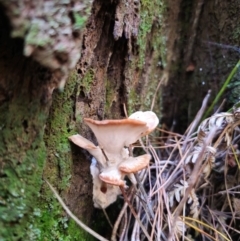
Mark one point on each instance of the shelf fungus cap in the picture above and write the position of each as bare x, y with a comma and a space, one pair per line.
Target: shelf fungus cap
149, 117
82, 142
135, 164
112, 176
114, 135
89, 146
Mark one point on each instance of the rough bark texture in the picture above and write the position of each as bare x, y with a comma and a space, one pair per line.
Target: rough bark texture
113, 70
124, 52
118, 58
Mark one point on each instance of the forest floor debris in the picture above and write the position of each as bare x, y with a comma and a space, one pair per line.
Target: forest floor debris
190, 191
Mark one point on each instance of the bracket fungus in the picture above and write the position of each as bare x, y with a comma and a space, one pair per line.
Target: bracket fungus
112, 162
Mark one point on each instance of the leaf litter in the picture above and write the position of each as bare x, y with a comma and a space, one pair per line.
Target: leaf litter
190, 190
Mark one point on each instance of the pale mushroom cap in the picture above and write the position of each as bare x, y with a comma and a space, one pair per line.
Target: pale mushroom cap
89, 146
114, 135
112, 176
135, 164
82, 142
149, 117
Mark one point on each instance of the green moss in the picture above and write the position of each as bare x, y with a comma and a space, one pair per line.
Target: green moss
79, 119
60, 127
79, 21
33, 37
110, 96
150, 38
21, 171
133, 100
236, 33
151, 11
152, 48
87, 80
49, 222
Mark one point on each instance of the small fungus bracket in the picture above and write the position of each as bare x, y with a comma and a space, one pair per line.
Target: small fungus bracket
112, 162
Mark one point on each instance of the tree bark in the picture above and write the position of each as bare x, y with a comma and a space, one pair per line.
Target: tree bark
202, 51
117, 57
25, 100
127, 48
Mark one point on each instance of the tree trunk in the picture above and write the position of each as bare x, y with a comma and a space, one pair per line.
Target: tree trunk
127, 48
202, 51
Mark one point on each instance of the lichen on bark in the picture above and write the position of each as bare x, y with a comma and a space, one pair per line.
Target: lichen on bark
52, 31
